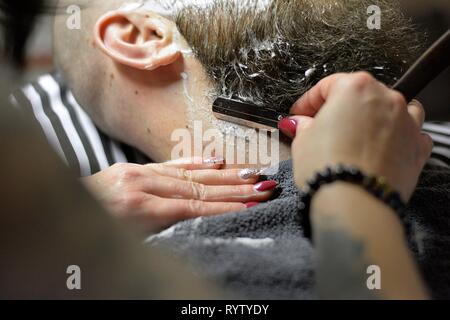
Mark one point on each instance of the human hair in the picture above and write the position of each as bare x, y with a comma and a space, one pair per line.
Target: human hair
272, 56
270, 52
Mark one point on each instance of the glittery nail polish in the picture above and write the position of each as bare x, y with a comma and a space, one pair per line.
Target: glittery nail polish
214, 160
246, 174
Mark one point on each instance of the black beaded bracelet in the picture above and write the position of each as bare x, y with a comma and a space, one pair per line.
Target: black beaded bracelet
377, 186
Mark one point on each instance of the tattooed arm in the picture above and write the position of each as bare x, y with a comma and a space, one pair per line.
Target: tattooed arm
353, 231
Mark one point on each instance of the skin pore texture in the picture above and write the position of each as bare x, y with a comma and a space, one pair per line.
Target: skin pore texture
268, 52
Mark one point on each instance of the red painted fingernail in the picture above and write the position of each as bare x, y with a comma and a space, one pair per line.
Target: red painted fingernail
266, 186
288, 126
251, 204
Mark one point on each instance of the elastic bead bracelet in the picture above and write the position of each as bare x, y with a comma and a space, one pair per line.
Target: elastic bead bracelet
377, 186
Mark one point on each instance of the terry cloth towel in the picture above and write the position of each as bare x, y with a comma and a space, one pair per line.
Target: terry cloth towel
262, 253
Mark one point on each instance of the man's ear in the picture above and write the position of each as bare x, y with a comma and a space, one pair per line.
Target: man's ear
142, 40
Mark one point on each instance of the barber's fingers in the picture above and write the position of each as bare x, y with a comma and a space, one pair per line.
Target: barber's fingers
167, 187
195, 163
180, 209
311, 102
291, 126
417, 112
426, 147
209, 176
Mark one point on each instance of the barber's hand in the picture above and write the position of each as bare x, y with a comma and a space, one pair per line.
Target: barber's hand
159, 195
359, 121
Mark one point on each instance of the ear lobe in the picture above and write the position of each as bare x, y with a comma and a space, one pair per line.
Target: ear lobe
137, 39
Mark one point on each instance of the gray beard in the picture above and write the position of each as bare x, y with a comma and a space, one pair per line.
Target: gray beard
273, 66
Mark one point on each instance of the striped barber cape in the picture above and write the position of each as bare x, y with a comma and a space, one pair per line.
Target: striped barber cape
85, 149
69, 129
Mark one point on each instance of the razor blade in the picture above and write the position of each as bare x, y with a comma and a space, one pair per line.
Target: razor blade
247, 114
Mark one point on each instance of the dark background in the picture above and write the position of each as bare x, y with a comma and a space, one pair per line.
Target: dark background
433, 17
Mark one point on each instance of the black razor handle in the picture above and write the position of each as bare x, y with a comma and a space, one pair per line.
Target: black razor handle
247, 114
432, 63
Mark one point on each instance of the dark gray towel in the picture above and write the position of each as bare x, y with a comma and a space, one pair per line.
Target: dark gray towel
262, 253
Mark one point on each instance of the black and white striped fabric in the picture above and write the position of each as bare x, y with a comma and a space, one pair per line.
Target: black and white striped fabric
84, 148
67, 127
440, 133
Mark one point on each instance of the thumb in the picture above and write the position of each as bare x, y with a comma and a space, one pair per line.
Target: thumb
292, 125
